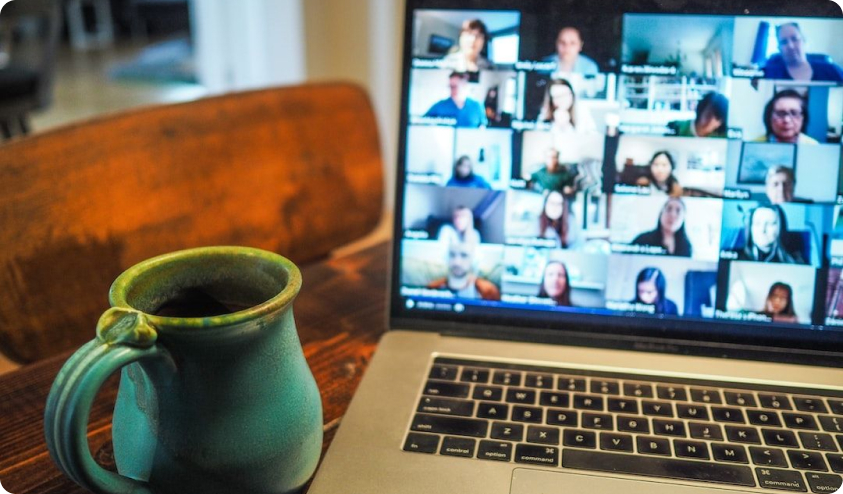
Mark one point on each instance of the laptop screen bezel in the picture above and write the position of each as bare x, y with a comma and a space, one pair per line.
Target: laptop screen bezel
647, 334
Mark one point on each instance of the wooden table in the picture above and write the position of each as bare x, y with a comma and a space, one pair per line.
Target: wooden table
340, 314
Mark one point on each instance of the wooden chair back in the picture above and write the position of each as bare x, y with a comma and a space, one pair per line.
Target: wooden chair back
293, 170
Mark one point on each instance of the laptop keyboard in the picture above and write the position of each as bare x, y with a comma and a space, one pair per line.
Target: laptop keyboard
756, 436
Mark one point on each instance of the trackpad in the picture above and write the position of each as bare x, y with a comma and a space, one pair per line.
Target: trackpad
527, 481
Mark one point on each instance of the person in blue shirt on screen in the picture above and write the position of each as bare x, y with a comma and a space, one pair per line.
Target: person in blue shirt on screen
793, 62
568, 56
468, 112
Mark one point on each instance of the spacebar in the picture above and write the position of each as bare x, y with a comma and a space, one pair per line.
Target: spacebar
658, 467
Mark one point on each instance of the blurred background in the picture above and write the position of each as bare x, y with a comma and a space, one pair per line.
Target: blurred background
68, 60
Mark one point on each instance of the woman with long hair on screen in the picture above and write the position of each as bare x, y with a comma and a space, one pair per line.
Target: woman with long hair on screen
556, 284
766, 227
650, 288
560, 108
660, 177
554, 223
670, 231
712, 119
779, 303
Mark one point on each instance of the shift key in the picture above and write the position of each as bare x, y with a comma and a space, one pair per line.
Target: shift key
454, 426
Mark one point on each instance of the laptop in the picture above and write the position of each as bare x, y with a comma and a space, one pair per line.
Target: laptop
617, 257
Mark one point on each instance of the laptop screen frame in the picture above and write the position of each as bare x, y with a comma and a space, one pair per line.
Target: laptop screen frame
691, 337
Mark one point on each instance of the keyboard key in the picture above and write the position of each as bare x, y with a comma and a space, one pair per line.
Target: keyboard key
824, 482
831, 423
497, 411
763, 417
551, 399
487, 393
807, 460
738, 434
740, 399
605, 387
451, 390
654, 466
544, 381
444, 372
494, 450
527, 414
817, 441
835, 462
586, 402
442, 424
566, 418
507, 378
579, 439
421, 443
668, 427
693, 412
799, 421
521, 396
537, 455
446, 406
597, 421
616, 442
729, 452
543, 435
781, 480
571, 384
836, 407
475, 376
507, 431
767, 457
675, 393
775, 402
779, 437
657, 408
701, 430
732, 415
711, 396
623, 405
633, 424
458, 446
653, 446
813, 405
638, 390
690, 449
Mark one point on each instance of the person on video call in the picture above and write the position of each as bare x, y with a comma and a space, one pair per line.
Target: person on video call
464, 176
461, 280
767, 226
559, 108
793, 63
468, 56
711, 120
555, 221
556, 284
468, 112
670, 231
568, 57
786, 118
553, 176
660, 177
650, 287
461, 228
779, 303
779, 184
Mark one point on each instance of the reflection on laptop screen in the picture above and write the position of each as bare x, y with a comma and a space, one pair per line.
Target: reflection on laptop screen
690, 171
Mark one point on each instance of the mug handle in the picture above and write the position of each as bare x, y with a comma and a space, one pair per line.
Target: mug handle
124, 336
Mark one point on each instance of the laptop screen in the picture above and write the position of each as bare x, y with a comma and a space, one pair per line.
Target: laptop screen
568, 166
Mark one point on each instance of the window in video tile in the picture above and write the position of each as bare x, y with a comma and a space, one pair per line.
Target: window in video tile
757, 293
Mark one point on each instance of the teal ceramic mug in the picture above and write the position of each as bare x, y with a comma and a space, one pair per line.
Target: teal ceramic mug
215, 393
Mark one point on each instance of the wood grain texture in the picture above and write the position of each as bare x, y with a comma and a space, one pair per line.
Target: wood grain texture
340, 315
292, 170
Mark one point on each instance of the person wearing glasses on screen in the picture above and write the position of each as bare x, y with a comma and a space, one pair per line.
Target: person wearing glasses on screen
786, 118
568, 57
470, 49
793, 63
467, 112
556, 284
766, 228
779, 303
464, 176
650, 288
711, 120
669, 233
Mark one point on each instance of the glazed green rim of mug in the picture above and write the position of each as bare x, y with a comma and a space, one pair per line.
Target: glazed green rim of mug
126, 281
